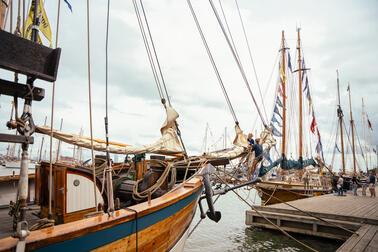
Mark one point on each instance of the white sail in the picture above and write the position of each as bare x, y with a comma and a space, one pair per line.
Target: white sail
166, 145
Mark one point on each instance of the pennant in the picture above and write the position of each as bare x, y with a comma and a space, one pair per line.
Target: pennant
274, 119
283, 74
348, 88
68, 5
309, 105
313, 124
337, 148
369, 124
317, 131
319, 147
277, 112
275, 131
43, 24
278, 102
280, 91
304, 71
375, 151
306, 84
289, 62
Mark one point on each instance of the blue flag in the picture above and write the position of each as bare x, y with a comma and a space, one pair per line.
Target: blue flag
375, 151
289, 62
279, 103
306, 84
68, 4
275, 131
337, 148
274, 119
369, 124
277, 112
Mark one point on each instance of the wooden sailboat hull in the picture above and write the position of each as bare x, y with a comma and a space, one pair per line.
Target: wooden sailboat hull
160, 226
285, 192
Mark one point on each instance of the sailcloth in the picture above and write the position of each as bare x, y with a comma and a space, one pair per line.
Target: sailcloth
166, 145
240, 146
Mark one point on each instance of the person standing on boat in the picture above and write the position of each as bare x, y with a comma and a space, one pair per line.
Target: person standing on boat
340, 183
257, 148
372, 185
306, 180
354, 184
250, 140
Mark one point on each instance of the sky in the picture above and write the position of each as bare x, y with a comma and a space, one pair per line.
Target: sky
336, 34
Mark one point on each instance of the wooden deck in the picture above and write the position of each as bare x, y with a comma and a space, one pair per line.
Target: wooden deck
356, 213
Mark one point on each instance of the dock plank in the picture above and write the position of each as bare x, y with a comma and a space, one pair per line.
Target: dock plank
361, 210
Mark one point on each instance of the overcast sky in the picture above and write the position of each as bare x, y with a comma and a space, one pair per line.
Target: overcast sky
335, 35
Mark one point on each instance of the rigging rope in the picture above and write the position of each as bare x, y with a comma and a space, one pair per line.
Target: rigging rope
250, 55
213, 62
52, 117
237, 61
156, 57
149, 54
108, 170
90, 107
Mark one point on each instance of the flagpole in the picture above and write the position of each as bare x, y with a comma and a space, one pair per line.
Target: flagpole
340, 115
352, 126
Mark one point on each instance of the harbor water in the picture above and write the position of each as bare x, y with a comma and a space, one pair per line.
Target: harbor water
231, 233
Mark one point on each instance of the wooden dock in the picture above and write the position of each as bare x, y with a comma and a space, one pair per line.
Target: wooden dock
355, 213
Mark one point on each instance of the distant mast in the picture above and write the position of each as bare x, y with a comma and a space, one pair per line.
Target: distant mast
300, 101
283, 50
352, 126
364, 126
340, 115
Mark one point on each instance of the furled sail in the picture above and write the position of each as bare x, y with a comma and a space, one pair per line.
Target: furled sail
168, 143
240, 146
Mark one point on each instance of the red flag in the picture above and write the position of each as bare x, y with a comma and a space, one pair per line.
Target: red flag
312, 127
318, 133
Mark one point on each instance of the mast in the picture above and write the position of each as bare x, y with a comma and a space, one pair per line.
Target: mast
340, 115
352, 126
283, 50
3, 9
300, 100
364, 131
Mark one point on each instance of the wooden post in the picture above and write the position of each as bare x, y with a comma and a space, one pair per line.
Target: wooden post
364, 126
340, 115
352, 126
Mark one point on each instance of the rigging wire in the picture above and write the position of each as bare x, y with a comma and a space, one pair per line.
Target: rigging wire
90, 106
52, 118
149, 54
156, 57
108, 170
250, 55
213, 62
237, 61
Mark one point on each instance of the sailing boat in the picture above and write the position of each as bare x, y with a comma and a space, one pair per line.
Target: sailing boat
154, 212
151, 210
277, 190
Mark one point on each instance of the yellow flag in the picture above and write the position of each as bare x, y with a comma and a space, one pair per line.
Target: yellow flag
44, 25
283, 75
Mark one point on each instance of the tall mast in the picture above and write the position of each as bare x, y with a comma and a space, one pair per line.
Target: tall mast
364, 130
283, 50
300, 98
340, 115
352, 126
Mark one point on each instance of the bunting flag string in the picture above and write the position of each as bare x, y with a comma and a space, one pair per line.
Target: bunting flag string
277, 112
275, 132
274, 119
279, 103
369, 123
313, 125
337, 148
68, 5
289, 62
